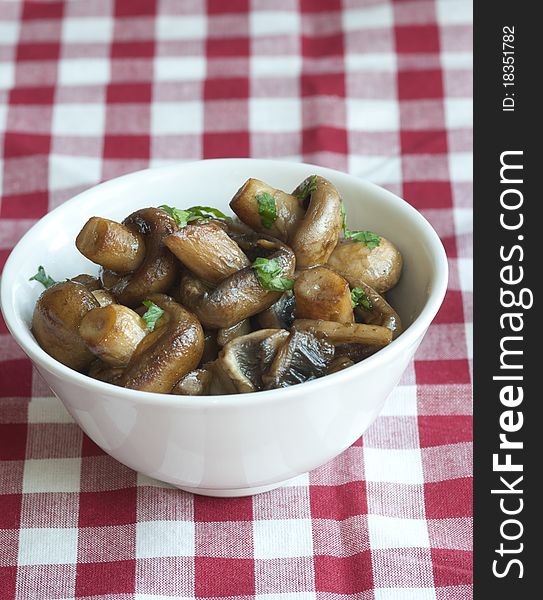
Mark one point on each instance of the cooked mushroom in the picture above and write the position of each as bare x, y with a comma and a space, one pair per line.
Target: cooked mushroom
211, 347
194, 383
104, 297
379, 313
379, 267
109, 278
246, 358
104, 372
207, 251
339, 363
240, 295
345, 333
91, 283
55, 323
267, 209
323, 294
159, 268
227, 334
164, 356
280, 315
111, 245
112, 333
301, 358
317, 234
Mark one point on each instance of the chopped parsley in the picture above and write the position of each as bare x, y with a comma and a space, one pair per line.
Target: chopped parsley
306, 188
360, 298
269, 275
152, 314
201, 214
267, 209
42, 277
372, 240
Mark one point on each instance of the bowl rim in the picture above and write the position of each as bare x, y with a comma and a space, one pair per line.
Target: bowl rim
417, 328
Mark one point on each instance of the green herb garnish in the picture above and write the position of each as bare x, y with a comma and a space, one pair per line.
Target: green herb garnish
181, 217
267, 209
42, 277
269, 275
372, 240
360, 298
306, 188
202, 214
152, 314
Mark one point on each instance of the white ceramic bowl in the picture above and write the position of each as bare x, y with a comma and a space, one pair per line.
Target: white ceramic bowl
245, 443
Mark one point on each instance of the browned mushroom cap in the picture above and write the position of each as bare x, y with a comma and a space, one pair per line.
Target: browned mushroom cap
112, 333
246, 358
381, 313
159, 268
301, 358
323, 294
318, 233
379, 267
55, 323
207, 251
164, 356
280, 315
240, 295
345, 333
287, 211
194, 383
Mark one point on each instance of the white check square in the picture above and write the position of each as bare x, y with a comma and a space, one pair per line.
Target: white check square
47, 546
372, 115
404, 594
72, 171
164, 538
276, 66
454, 12
188, 68
170, 27
48, 410
52, 475
78, 119
88, 29
282, 538
391, 532
273, 115
84, 71
401, 402
170, 118
394, 466
458, 113
379, 169
461, 166
274, 22
377, 16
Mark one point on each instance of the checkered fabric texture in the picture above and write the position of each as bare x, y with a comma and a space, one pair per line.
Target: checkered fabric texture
93, 89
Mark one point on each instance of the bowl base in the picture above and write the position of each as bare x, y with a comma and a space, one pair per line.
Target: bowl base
235, 492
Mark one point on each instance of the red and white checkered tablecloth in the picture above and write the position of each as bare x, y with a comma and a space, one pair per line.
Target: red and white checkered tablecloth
382, 89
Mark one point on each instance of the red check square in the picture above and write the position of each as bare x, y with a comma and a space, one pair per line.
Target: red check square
412, 39
338, 501
452, 567
220, 577
413, 85
345, 575
94, 579
448, 499
116, 507
223, 509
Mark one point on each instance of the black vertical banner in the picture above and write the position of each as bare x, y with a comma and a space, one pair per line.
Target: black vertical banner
508, 253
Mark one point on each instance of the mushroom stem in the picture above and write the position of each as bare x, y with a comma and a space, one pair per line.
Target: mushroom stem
343, 333
112, 333
226, 334
110, 244
207, 251
323, 294
381, 312
287, 208
318, 232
